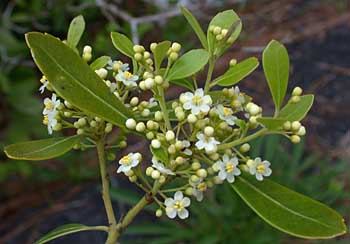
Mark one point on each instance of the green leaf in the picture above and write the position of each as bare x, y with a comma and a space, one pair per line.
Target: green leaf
74, 80
238, 72
160, 153
195, 26
160, 53
123, 44
68, 229
75, 31
41, 149
276, 69
100, 62
184, 83
289, 211
272, 123
188, 64
297, 111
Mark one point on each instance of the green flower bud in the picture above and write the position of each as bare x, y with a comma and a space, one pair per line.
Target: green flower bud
159, 212
297, 91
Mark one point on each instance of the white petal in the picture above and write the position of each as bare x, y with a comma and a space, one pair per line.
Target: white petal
237, 171
222, 175
171, 212
199, 92
200, 145
183, 214
230, 178
169, 202
178, 196
195, 110
268, 172
187, 105
186, 202
259, 177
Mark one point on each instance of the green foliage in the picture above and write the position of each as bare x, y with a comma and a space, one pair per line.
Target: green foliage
237, 72
271, 123
297, 111
160, 53
290, 211
75, 31
123, 44
100, 62
188, 64
41, 149
276, 69
74, 80
66, 230
160, 153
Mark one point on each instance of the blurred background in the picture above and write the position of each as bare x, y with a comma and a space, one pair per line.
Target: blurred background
36, 197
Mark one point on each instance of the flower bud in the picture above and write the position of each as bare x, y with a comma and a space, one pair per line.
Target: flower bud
224, 32
287, 125
146, 55
189, 191
172, 149
87, 49
173, 56
138, 48
158, 116
233, 62
194, 178
138, 56
209, 131
140, 127
217, 30
149, 83
296, 125
150, 135
175, 47
195, 165
155, 143
191, 118
108, 128
159, 212
129, 173
87, 57
295, 139
102, 73
170, 135
244, 148
146, 112
180, 160
155, 174
153, 46
133, 178
130, 124
301, 131
134, 101
201, 173
297, 91
149, 171
142, 85
158, 79
295, 99
161, 179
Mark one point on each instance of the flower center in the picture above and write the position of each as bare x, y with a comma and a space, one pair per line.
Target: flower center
46, 120
202, 187
178, 206
49, 105
230, 167
261, 169
126, 160
127, 75
227, 111
197, 100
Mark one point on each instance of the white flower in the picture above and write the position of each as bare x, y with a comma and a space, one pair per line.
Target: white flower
51, 105
51, 121
161, 168
152, 102
196, 102
207, 143
186, 144
226, 114
260, 168
197, 189
44, 82
238, 94
127, 78
228, 168
117, 65
177, 206
129, 161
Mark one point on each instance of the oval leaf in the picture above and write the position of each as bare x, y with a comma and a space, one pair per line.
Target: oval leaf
41, 149
289, 211
123, 44
276, 68
75, 31
297, 111
271, 123
74, 80
188, 64
160, 153
160, 53
184, 83
68, 229
100, 62
195, 26
238, 72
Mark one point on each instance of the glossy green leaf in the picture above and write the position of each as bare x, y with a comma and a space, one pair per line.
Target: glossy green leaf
289, 211
195, 26
123, 44
41, 149
75, 31
188, 64
68, 229
226, 20
160, 53
297, 111
160, 153
100, 62
271, 123
276, 68
74, 80
238, 72
184, 83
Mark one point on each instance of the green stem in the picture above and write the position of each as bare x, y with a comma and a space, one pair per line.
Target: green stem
112, 238
162, 105
209, 75
243, 140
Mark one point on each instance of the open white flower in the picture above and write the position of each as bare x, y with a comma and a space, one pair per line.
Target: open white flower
152, 102
127, 78
207, 143
260, 168
117, 65
177, 206
226, 114
228, 168
186, 144
50, 121
196, 102
129, 161
51, 105
161, 168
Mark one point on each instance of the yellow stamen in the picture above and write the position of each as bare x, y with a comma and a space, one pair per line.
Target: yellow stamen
197, 100
49, 105
127, 75
126, 160
202, 186
261, 169
46, 120
178, 206
227, 111
230, 167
